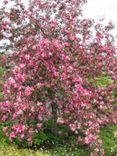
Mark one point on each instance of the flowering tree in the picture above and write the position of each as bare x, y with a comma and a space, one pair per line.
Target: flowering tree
55, 58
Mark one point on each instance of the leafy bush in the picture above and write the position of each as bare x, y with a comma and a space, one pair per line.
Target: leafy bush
39, 138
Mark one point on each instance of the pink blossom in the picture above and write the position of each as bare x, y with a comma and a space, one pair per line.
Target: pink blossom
11, 81
12, 136
22, 65
32, 63
73, 127
4, 129
19, 128
20, 77
60, 121
53, 23
28, 91
90, 138
39, 125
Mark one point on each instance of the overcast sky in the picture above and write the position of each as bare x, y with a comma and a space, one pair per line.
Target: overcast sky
101, 9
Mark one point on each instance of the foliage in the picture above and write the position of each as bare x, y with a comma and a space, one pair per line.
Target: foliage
103, 81
39, 138
53, 53
1, 96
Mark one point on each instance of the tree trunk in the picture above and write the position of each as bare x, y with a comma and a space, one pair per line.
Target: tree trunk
54, 114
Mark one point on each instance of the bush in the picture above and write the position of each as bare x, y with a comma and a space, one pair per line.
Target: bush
49, 70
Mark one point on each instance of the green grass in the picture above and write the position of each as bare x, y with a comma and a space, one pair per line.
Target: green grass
13, 150
103, 81
109, 137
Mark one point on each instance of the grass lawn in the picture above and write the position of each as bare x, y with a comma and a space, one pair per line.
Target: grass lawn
14, 151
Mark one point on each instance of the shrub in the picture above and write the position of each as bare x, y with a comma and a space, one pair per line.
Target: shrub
51, 62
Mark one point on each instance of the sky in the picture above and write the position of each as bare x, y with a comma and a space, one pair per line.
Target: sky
101, 9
